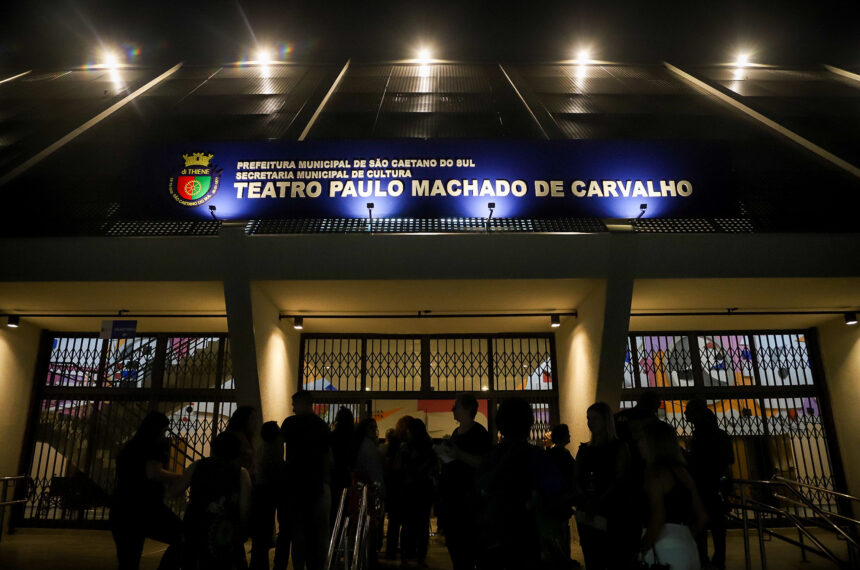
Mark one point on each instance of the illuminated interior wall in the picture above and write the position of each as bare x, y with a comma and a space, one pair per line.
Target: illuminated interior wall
578, 349
840, 352
277, 357
18, 349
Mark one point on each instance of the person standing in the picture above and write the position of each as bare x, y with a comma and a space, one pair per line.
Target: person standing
307, 476
675, 511
369, 469
138, 510
394, 495
563, 510
219, 505
710, 457
270, 469
517, 485
343, 456
420, 477
458, 495
602, 469
245, 423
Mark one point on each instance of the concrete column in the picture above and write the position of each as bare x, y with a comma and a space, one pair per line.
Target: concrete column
613, 339
19, 349
578, 351
840, 355
18, 352
277, 353
240, 319
590, 348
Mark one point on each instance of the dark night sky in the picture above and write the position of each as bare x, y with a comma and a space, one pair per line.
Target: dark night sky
63, 32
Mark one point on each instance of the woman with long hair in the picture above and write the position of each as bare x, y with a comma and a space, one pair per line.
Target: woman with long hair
368, 466
420, 479
343, 456
245, 423
675, 511
602, 473
395, 449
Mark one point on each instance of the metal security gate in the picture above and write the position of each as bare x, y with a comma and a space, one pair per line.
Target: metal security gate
388, 376
91, 395
764, 387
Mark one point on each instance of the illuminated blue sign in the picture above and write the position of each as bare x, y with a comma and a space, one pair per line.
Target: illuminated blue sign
437, 179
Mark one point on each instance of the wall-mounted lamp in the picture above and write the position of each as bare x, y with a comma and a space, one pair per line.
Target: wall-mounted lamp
642, 208
491, 206
850, 318
14, 320
555, 321
370, 217
212, 209
298, 323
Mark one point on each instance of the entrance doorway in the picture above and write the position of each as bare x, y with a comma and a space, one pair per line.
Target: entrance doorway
389, 376
765, 388
91, 395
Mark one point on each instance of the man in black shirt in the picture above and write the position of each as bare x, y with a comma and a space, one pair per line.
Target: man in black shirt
710, 458
519, 487
138, 510
307, 494
458, 494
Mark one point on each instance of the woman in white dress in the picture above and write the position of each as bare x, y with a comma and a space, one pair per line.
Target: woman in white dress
675, 510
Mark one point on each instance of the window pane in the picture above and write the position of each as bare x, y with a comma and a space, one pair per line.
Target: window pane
458, 364
522, 364
332, 364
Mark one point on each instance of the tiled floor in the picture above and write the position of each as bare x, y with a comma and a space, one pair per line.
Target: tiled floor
48, 549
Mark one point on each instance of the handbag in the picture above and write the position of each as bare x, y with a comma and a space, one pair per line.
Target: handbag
643, 564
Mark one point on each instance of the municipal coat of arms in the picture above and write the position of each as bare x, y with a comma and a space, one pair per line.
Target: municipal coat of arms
197, 181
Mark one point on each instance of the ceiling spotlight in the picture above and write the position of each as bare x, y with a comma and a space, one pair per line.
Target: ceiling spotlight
298, 323
263, 56
111, 61
583, 56
555, 321
14, 320
850, 318
742, 60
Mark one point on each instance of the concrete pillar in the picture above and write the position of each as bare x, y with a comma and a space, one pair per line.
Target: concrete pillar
277, 353
240, 319
19, 349
840, 355
590, 348
578, 352
613, 339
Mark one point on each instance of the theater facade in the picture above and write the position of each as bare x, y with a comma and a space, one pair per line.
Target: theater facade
389, 235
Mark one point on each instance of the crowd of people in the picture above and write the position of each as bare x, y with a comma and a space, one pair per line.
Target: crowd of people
635, 496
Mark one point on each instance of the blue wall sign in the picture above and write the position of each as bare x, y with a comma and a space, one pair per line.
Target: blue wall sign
118, 329
435, 179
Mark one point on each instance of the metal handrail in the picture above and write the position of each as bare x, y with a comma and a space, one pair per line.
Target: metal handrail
814, 488
759, 507
781, 482
338, 531
4, 490
823, 519
361, 531
829, 513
